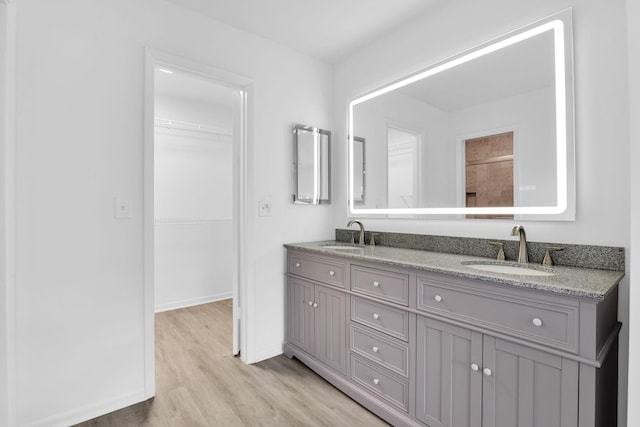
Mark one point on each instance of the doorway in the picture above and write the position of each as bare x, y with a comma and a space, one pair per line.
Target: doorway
200, 199
403, 168
489, 173
193, 190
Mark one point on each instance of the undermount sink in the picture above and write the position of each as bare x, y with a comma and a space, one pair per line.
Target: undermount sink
507, 269
342, 247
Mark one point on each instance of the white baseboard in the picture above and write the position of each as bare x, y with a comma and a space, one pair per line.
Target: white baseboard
91, 411
174, 305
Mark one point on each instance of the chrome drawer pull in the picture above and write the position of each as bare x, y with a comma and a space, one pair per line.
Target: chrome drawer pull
474, 367
376, 284
487, 372
332, 273
438, 298
315, 305
375, 349
376, 381
298, 264
310, 302
536, 322
376, 316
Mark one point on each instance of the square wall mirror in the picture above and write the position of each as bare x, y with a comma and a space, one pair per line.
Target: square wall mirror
487, 133
311, 165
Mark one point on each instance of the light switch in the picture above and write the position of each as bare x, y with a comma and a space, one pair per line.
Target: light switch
264, 207
121, 208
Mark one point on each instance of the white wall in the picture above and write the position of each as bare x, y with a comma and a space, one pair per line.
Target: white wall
633, 19
602, 127
4, 414
193, 203
79, 308
7, 108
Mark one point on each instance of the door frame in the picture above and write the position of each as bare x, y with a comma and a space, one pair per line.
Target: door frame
243, 89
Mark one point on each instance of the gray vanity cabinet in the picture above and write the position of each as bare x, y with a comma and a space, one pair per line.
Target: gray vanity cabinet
317, 312
330, 328
522, 386
448, 390
301, 318
466, 378
421, 348
316, 321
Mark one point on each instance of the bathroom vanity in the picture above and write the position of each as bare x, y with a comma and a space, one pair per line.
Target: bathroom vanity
425, 338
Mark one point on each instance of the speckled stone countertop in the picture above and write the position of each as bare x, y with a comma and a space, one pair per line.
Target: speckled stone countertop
572, 281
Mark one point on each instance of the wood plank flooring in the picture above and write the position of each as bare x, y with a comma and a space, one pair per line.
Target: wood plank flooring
199, 383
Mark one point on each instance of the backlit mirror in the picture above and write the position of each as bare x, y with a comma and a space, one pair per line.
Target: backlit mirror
358, 169
311, 165
485, 134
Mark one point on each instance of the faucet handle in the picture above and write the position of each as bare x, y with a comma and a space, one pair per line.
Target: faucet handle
500, 247
372, 240
547, 260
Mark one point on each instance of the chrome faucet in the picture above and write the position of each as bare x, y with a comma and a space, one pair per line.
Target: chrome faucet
523, 257
361, 239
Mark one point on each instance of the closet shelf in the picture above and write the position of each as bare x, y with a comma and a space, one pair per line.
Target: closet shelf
189, 126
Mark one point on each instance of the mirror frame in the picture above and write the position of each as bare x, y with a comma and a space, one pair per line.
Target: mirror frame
561, 25
322, 168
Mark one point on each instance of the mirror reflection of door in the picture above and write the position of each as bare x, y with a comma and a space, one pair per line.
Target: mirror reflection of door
402, 168
489, 172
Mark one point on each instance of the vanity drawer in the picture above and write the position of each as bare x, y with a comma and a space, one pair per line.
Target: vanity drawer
550, 321
320, 269
392, 321
378, 381
386, 351
386, 285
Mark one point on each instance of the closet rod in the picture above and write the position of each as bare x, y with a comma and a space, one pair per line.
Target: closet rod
189, 126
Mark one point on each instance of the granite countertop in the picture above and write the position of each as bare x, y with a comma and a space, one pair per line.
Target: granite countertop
572, 281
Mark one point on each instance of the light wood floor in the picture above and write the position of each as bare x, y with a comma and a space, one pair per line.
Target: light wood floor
199, 382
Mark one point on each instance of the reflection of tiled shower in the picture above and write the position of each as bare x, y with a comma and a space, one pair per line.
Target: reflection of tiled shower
489, 172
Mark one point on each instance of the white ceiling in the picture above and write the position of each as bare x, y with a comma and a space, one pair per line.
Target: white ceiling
325, 29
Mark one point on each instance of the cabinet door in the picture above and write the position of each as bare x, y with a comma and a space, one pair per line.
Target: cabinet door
330, 345
523, 387
448, 390
300, 314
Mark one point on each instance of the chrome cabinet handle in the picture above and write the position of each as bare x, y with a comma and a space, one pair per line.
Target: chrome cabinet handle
297, 264
375, 349
376, 284
474, 367
376, 316
315, 305
310, 302
487, 372
438, 298
536, 322
376, 381
332, 273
